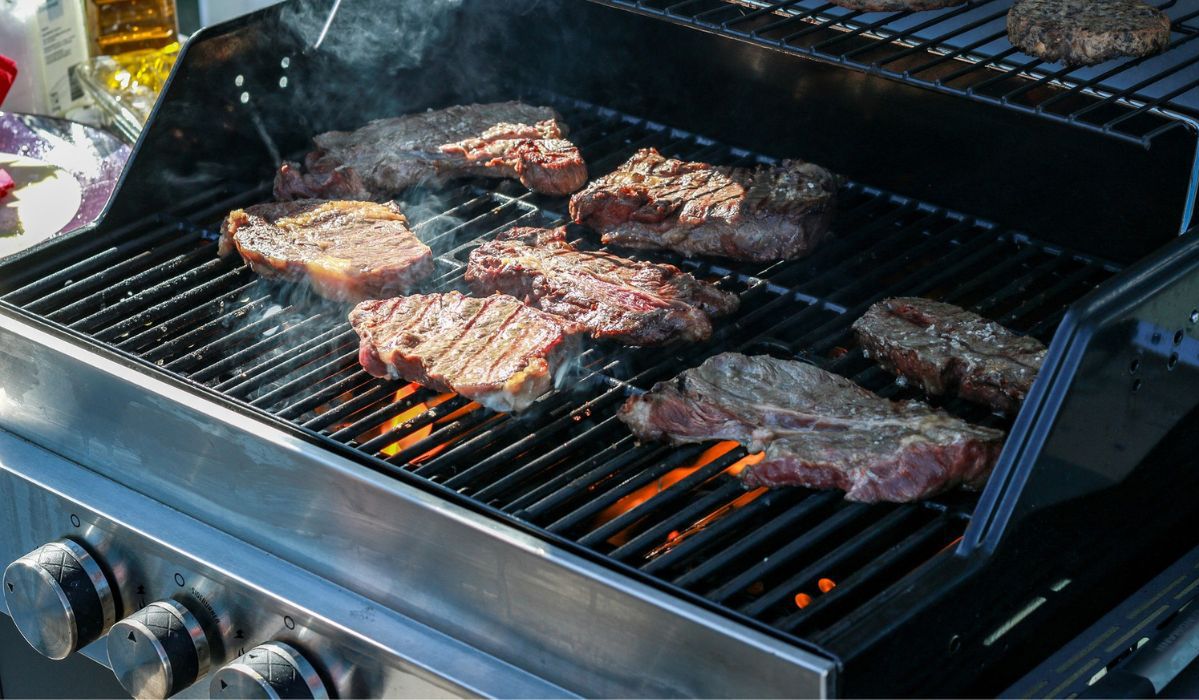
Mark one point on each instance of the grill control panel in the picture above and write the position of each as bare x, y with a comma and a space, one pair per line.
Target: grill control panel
178, 609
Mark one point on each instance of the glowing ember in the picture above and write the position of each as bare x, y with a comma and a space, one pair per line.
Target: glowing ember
675, 538
334, 403
802, 600
951, 545
826, 584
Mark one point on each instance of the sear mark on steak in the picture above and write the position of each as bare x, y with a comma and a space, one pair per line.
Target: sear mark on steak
497, 351
763, 213
347, 251
1086, 32
379, 160
637, 303
817, 429
950, 351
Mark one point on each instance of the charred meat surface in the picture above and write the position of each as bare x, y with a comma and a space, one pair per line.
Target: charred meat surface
632, 302
950, 351
347, 251
764, 213
504, 139
1086, 32
497, 351
817, 429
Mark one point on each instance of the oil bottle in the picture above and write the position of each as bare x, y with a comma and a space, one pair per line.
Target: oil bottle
120, 26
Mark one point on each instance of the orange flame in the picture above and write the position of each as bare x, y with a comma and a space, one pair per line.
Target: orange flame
449, 418
416, 435
802, 600
671, 478
826, 584
674, 476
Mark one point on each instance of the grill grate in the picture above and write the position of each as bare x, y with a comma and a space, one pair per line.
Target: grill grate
793, 559
964, 51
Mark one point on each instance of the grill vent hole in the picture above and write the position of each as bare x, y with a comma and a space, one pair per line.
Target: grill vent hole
1173, 361
1179, 336
1135, 365
1136, 385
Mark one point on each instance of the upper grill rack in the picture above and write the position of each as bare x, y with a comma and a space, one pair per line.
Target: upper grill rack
797, 561
964, 51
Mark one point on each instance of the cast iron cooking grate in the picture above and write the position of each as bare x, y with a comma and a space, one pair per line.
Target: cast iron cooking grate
794, 559
964, 51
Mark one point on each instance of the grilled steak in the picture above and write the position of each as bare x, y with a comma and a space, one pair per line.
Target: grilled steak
895, 5
818, 429
950, 351
1085, 32
637, 303
346, 251
496, 351
762, 213
505, 139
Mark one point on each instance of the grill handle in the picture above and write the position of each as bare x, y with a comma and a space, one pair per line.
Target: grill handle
1152, 667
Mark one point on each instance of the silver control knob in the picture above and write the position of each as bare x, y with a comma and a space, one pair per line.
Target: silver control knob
271, 670
158, 650
59, 598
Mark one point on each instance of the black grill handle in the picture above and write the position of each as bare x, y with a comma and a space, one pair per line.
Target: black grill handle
1152, 667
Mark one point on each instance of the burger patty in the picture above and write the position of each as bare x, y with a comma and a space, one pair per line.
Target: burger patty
1086, 32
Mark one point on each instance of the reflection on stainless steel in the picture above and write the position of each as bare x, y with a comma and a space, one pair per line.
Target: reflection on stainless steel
59, 598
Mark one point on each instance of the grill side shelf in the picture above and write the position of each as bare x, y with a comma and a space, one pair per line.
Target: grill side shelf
1119, 384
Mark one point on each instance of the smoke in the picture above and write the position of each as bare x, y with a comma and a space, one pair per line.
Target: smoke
359, 33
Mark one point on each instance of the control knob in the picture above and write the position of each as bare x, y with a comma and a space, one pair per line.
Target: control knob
158, 650
271, 670
59, 598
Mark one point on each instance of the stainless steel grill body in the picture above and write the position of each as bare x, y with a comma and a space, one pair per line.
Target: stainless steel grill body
413, 548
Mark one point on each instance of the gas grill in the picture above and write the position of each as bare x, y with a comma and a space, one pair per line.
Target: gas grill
205, 437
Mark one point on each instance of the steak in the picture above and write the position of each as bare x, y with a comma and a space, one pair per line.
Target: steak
1085, 32
637, 303
347, 251
817, 429
496, 350
763, 213
950, 351
505, 139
